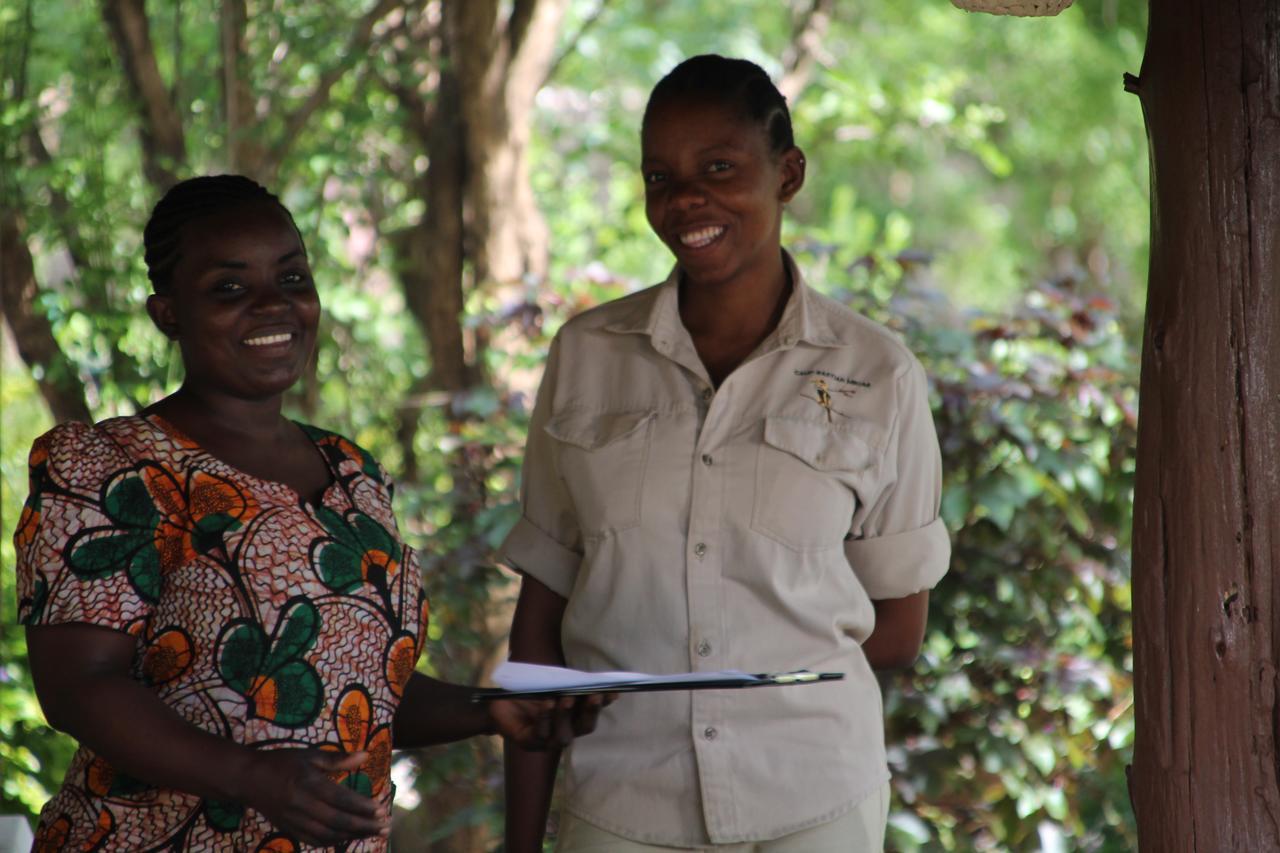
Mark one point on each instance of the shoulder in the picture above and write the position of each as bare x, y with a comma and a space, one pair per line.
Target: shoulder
78, 452
345, 455
626, 313
839, 325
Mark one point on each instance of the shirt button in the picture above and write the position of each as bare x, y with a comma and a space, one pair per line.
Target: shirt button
706, 459
706, 393
700, 549
704, 648
710, 733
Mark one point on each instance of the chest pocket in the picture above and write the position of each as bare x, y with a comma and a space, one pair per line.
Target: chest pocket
602, 457
807, 476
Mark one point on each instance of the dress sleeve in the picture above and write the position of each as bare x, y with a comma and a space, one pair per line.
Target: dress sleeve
546, 542
87, 539
900, 545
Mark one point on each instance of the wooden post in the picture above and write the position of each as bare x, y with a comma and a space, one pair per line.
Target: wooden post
1207, 503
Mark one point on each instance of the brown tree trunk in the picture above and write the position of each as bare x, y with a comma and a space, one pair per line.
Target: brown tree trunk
164, 147
1207, 502
433, 272
55, 374
482, 226
243, 151
501, 64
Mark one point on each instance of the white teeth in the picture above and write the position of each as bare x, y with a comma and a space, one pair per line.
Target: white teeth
268, 340
701, 237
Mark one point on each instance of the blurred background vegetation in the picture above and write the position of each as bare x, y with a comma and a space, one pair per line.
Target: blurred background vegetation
465, 176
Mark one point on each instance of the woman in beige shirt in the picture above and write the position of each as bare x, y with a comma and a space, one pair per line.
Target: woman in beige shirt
725, 471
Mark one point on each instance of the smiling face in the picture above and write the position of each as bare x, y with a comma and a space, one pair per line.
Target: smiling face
242, 305
714, 191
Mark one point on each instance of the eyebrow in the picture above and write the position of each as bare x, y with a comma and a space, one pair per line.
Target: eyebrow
703, 152
240, 265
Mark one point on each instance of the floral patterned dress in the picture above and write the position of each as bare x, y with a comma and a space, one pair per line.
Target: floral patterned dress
259, 617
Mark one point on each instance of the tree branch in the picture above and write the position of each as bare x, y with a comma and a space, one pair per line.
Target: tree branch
63, 212
354, 50
529, 62
419, 112
14, 83
522, 13
572, 45
806, 42
54, 373
164, 149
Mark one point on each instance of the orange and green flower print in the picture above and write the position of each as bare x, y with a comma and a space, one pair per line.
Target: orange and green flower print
55, 837
103, 780
29, 520
223, 815
277, 843
353, 719
357, 550
52, 837
167, 656
31, 608
402, 655
272, 673
339, 450
106, 825
158, 524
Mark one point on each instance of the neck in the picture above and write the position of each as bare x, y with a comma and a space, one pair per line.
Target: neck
202, 414
746, 306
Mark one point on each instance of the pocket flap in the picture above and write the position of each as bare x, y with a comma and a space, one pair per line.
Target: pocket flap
593, 430
822, 446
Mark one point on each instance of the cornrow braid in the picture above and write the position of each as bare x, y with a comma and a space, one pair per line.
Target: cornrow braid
737, 82
186, 202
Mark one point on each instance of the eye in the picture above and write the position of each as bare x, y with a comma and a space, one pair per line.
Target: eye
227, 287
719, 166
654, 178
296, 280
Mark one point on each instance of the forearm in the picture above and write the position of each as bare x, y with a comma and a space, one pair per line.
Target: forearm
433, 712
530, 777
530, 781
130, 727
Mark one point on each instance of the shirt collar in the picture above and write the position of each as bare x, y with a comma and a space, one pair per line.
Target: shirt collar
804, 318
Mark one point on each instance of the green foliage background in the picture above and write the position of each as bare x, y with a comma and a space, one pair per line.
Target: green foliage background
977, 183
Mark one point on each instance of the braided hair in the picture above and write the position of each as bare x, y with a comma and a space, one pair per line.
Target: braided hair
186, 202
736, 82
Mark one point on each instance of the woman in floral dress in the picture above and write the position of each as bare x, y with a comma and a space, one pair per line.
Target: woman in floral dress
218, 604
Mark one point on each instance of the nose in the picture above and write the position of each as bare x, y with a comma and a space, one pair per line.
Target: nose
270, 298
686, 195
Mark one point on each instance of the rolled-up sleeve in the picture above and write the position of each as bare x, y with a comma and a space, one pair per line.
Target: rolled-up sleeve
900, 546
546, 543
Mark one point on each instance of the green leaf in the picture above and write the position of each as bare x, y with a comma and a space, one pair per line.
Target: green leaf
297, 633
299, 695
243, 653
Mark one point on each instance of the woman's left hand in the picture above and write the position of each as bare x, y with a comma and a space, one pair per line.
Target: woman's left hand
540, 724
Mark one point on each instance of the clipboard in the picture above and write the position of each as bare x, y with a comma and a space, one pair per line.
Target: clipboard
649, 685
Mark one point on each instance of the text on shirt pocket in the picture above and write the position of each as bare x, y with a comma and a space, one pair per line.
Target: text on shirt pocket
602, 458
806, 476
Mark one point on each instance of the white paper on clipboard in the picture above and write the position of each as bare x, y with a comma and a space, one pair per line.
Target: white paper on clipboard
524, 677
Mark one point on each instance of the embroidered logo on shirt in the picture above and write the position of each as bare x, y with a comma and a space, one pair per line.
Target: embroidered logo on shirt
844, 380
822, 391
822, 396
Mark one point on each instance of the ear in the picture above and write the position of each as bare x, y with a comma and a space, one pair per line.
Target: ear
792, 163
160, 309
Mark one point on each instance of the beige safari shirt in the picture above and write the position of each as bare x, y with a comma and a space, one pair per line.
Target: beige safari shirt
746, 527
